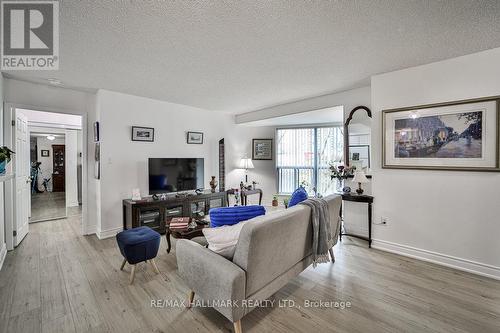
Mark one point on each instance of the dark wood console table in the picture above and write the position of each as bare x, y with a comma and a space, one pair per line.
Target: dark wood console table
154, 213
353, 197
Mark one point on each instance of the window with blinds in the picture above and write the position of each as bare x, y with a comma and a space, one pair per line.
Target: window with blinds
303, 156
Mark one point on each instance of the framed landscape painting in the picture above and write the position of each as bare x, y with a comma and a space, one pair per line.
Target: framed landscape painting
461, 135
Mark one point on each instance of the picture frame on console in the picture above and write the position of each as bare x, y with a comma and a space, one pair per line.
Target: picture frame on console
144, 134
461, 135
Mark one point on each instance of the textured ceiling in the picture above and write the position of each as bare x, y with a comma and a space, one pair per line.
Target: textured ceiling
238, 56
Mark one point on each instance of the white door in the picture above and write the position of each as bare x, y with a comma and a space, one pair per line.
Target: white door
23, 180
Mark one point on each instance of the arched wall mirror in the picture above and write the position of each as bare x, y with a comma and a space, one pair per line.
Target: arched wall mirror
357, 138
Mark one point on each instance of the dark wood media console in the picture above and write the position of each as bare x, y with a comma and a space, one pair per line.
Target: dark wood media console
155, 213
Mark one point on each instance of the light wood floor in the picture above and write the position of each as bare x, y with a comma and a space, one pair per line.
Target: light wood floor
47, 205
57, 281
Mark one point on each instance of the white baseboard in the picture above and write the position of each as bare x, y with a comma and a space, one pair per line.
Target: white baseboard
103, 234
438, 258
3, 253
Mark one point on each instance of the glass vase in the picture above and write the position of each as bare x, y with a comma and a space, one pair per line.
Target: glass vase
339, 185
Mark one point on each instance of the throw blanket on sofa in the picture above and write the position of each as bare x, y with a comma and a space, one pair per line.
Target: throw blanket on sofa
322, 234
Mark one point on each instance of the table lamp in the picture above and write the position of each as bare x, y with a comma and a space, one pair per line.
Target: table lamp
246, 163
360, 178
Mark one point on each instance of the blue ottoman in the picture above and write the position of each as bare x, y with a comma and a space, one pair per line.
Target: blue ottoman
138, 245
232, 215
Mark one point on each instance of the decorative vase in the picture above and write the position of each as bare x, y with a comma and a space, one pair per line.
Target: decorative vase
275, 203
213, 184
340, 185
3, 164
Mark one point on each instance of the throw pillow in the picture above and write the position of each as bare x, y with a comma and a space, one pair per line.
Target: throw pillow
298, 195
223, 240
233, 215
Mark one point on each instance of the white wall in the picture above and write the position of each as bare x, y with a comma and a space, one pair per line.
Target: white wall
449, 217
79, 163
50, 97
349, 99
124, 162
71, 176
51, 119
58, 99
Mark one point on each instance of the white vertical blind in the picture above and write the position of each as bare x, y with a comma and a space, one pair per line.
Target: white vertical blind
330, 145
295, 147
304, 156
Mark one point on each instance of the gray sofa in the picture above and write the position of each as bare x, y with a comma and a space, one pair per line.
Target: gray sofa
271, 250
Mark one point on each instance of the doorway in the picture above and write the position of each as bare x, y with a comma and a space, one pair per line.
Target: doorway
55, 164
53, 154
48, 176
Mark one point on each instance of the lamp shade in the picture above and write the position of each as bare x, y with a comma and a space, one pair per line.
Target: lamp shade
359, 177
246, 163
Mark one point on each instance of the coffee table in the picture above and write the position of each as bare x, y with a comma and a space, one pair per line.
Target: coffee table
186, 233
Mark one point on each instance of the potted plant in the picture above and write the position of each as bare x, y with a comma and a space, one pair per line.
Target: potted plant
286, 201
275, 200
5, 157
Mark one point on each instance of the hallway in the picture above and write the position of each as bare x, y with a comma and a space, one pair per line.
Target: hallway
47, 205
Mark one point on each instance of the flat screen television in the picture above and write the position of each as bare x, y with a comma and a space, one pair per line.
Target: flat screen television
175, 174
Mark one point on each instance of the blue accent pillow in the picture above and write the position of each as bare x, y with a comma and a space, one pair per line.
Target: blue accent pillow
232, 215
298, 195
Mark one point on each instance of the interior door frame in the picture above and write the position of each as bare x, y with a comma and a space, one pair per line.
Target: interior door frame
9, 115
20, 166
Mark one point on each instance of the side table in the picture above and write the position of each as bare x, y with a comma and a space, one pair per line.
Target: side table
368, 199
244, 195
186, 233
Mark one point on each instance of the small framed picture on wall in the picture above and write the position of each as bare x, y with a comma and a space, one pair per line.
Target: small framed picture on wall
262, 149
195, 138
145, 134
45, 153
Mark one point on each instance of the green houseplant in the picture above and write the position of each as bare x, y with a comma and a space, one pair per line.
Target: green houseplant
5, 157
286, 201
